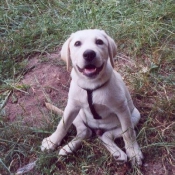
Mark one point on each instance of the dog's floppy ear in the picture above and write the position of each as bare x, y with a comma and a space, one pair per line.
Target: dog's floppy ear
112, 48
65, 53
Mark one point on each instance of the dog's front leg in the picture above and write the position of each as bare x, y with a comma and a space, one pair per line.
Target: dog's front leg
49, 143
132, 148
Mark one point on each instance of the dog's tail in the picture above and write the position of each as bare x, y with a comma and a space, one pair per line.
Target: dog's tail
54, 109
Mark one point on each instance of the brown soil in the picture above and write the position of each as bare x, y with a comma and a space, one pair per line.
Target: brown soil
46, 81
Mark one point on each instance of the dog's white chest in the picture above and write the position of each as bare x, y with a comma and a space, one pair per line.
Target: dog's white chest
109, 120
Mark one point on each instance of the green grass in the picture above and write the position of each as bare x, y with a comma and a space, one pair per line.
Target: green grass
144, 32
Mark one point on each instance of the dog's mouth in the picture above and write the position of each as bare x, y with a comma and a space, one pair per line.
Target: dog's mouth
90, 70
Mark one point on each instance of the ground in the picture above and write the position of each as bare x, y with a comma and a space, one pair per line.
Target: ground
142, 30
47, 80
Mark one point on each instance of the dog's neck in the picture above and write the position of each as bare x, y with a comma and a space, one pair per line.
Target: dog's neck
90, 99
91, 85
94, 83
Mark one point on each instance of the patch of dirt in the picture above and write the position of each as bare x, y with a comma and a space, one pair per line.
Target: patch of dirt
46, 81
157, 168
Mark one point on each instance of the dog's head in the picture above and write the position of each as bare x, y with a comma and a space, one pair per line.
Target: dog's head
89, 51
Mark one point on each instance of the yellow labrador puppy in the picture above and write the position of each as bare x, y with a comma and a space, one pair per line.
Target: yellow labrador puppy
98, 98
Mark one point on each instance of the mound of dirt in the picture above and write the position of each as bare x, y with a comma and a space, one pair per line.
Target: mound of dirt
46, 81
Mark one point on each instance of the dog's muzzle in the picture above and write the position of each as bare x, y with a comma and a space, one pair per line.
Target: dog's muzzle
90, 70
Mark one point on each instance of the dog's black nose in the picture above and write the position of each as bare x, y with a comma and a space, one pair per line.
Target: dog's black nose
89, 55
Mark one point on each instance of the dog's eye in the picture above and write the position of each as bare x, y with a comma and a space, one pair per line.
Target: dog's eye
99, 42
77, 43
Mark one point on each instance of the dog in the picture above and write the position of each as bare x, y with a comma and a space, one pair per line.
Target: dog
98, 99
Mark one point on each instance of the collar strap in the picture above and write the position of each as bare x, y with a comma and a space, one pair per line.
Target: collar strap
90, 101
98, 87
91, 106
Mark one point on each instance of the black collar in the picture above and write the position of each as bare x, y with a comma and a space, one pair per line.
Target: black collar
98, 87
90, 101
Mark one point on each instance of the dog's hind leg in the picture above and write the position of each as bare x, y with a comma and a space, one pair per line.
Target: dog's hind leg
135, 116
83, 132
108, 140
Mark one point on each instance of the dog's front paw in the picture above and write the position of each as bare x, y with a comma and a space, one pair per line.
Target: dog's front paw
48, 144
65, 150
69, 148
134, 153
120, 157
